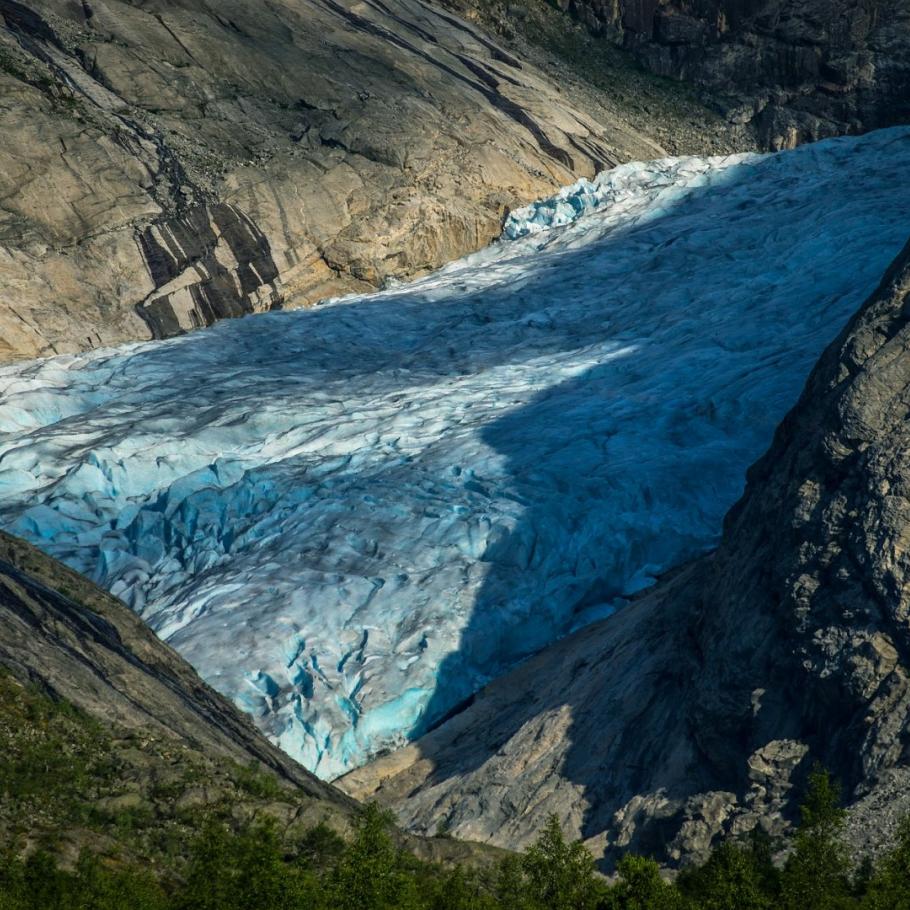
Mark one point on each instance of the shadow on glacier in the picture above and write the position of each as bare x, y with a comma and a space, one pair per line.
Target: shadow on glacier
592, 586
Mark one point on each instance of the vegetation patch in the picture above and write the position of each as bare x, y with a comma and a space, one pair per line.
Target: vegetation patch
174, 833
25, 68
70, 785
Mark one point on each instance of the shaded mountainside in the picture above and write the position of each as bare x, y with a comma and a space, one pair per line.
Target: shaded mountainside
82, 645
696, 711
164, 165
110, 741
797, 70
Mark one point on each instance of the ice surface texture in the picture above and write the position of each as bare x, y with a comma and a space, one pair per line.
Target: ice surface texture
349, 518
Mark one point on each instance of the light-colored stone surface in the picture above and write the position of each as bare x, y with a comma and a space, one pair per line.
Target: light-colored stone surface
166, 164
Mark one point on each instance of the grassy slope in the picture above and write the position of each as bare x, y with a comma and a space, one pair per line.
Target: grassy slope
69, 782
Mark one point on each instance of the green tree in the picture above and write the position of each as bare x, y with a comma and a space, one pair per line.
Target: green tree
370, 874
460, 889
862, 877
640, 887
320, 847
12, 883
100, 888
511, 888
207, 887
39, 884
889, 886
238, 871
46, 886
263, 879
733, 878
561, 875
815, 876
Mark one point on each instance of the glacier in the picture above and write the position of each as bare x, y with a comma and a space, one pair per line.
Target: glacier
349, 518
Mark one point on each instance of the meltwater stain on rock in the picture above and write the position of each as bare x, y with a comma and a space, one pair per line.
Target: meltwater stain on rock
209, 263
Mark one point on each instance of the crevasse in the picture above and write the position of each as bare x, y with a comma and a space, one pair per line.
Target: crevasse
348, 518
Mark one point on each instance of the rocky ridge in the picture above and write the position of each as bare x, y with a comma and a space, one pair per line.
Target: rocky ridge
164, 165
695, 712
80, 644
795, 70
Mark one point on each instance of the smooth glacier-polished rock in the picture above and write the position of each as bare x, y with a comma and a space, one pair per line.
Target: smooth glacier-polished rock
166, 165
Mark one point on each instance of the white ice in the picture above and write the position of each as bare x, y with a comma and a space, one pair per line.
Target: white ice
348, 518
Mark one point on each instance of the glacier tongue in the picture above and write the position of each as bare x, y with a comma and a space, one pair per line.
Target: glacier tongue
630, 191
348, 518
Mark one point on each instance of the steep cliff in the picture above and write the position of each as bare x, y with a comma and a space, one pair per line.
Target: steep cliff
797, 70
695, 711
164, 165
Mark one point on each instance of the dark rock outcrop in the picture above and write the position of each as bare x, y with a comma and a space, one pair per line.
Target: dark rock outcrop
695, 712
798, 70
182, 258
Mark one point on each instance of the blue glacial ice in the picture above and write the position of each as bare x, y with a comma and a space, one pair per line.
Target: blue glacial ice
348, 518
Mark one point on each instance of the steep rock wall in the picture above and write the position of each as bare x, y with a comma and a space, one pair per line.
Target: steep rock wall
798, 70
695, 712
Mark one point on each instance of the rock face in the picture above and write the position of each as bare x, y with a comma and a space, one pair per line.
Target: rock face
350, 518
695, 712
164, 165
798, 69
188, 245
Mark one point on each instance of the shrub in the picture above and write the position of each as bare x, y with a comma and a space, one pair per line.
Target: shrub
561, 875
257, 782
888, 888
370, 875
641, 887
739, 876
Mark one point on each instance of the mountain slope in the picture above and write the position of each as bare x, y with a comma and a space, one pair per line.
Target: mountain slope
75, 641
131, 742
692, 712
112, 743
164, 165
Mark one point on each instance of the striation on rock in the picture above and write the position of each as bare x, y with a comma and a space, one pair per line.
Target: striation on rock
164, 165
